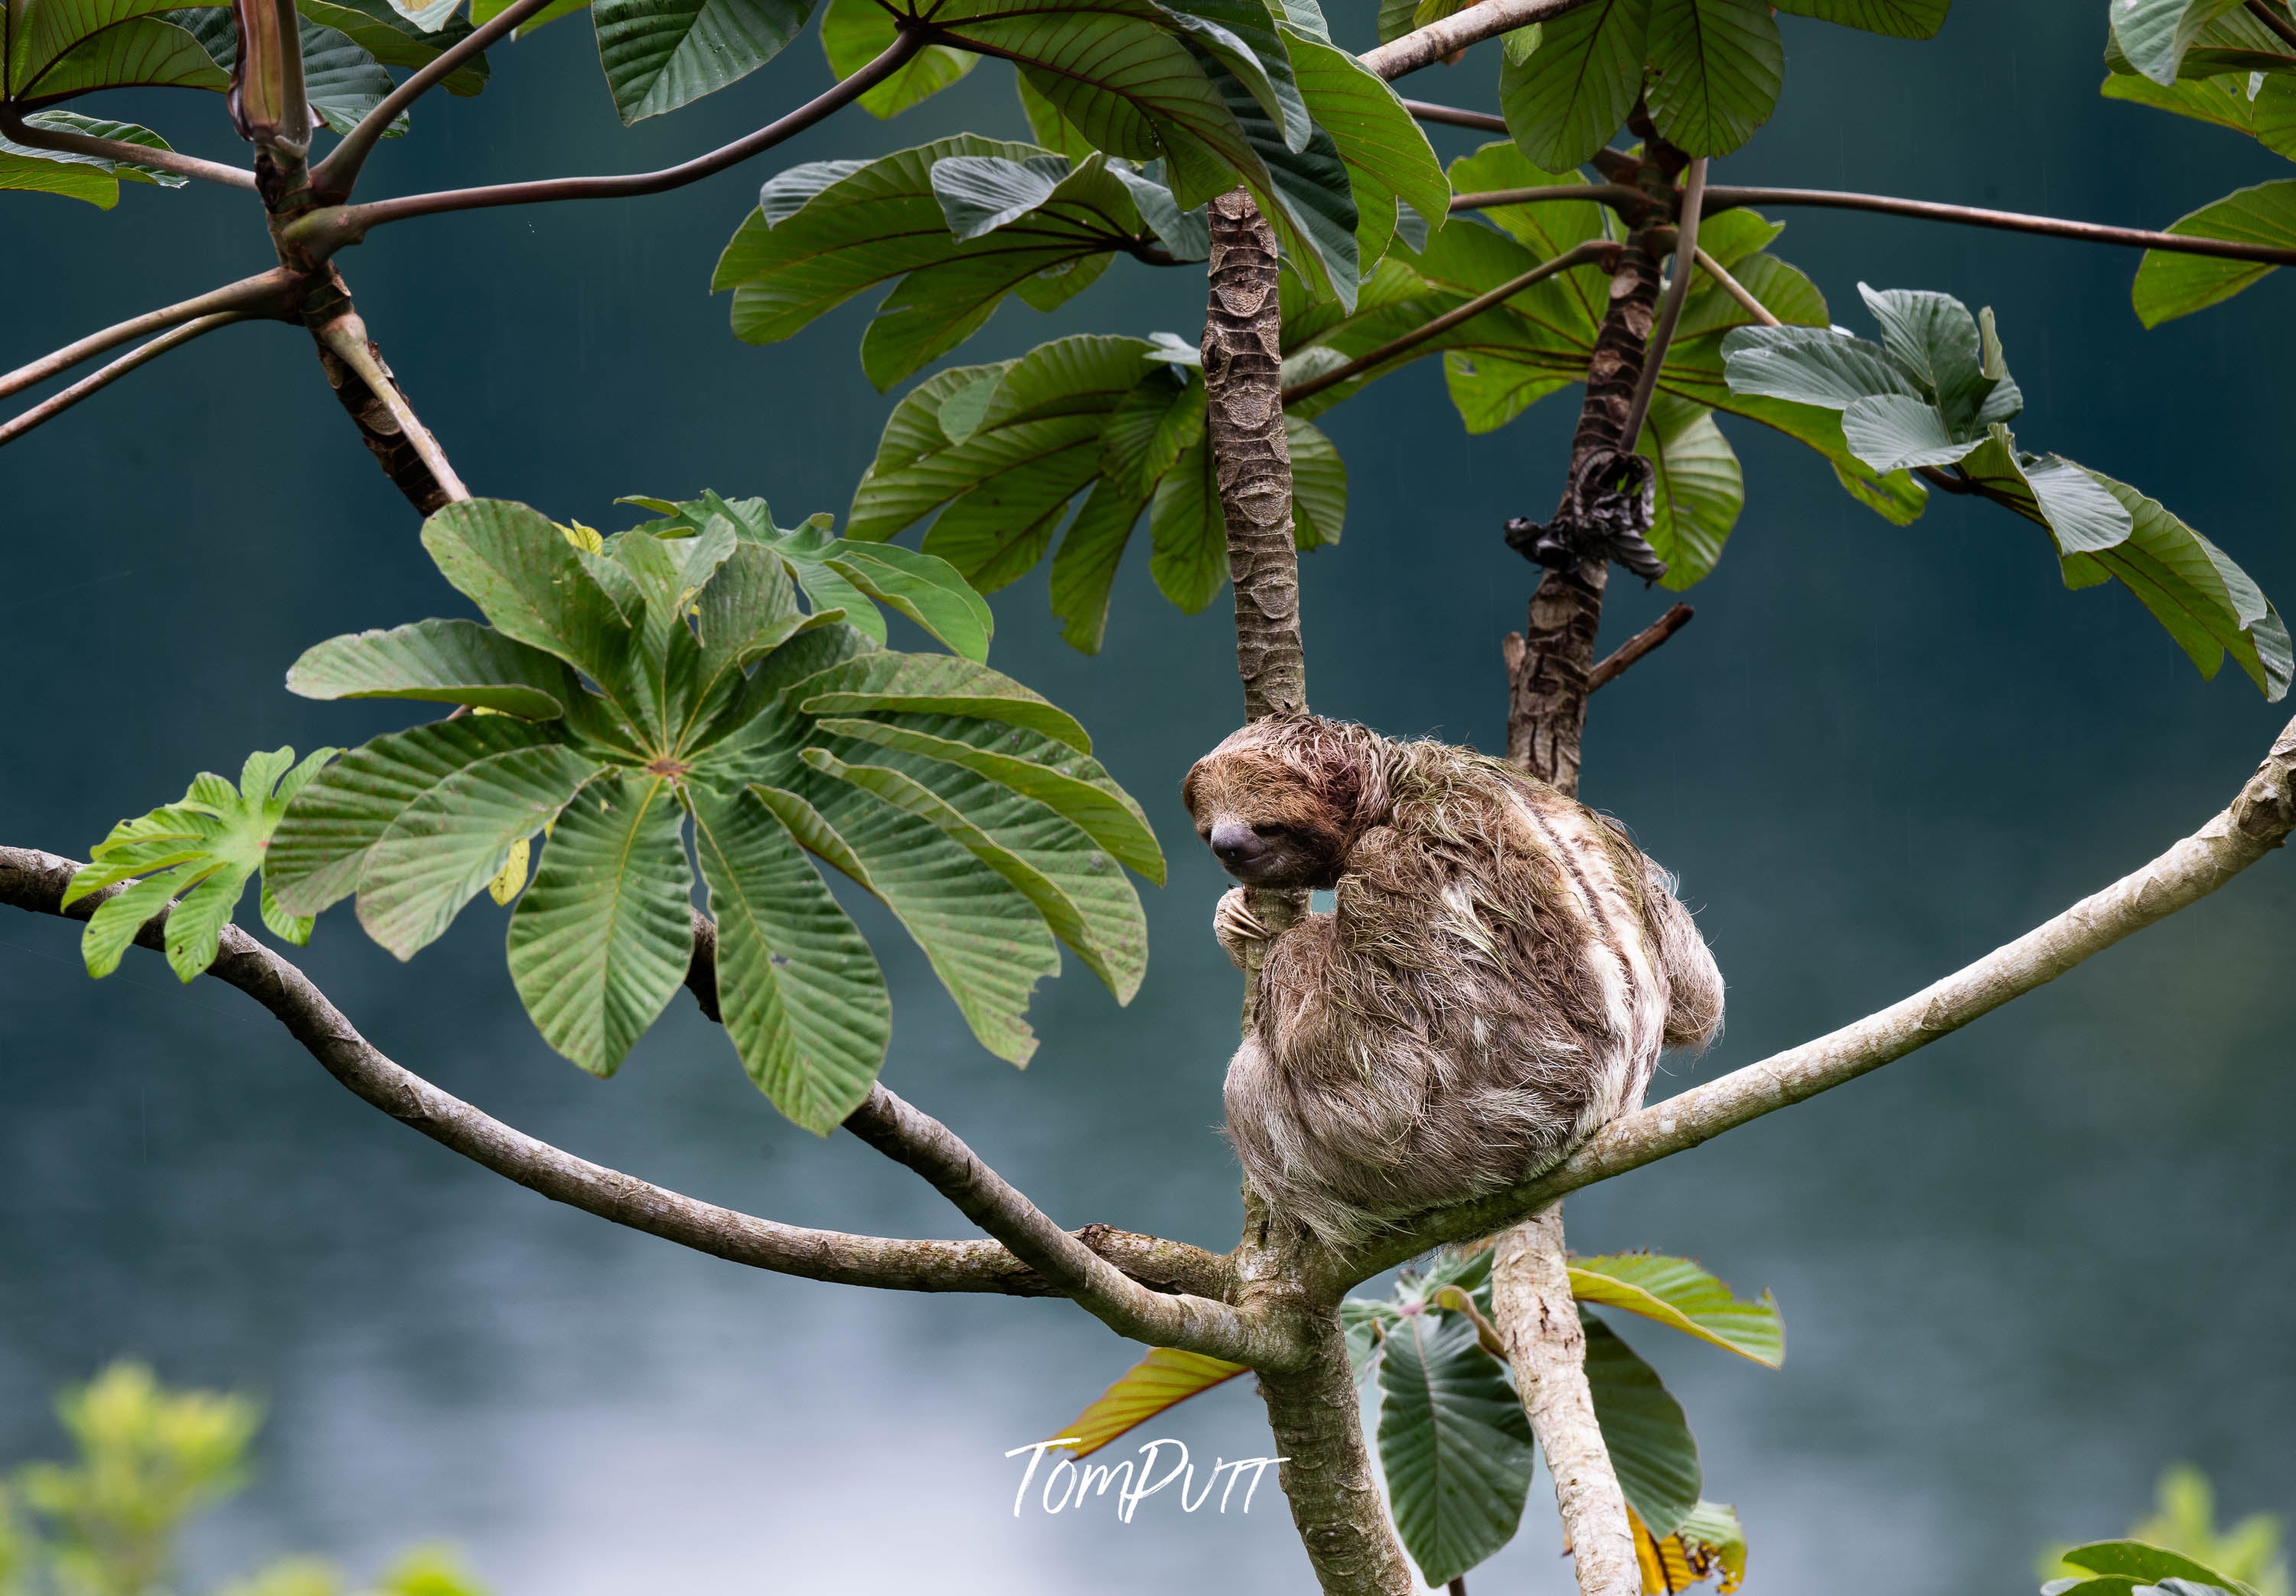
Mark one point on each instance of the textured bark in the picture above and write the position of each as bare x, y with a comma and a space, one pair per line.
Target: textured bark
1550, 671
1539, 1320
34, 881
1441, 40
408, 455
2258, 820
1326, 1473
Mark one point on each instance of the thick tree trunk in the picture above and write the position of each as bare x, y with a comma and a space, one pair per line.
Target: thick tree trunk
1539, 1320
1327, 1475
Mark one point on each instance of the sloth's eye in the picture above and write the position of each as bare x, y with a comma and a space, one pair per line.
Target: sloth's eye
1271, 830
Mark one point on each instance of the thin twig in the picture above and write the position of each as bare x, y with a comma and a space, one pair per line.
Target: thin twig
1454, 116
48, 409
1719, 199
1737, 289
20, 131
327, 230
1685, 268
1488, 19
1194, 1323
1615, 664
2276, 20
333, 178
2258, 820
1615, 195
268, 293
34, 881
1592, 252
345, 337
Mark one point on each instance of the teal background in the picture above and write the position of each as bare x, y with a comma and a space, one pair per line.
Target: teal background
2021, 1271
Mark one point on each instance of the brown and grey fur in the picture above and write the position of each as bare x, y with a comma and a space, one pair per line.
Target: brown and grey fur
1495, 980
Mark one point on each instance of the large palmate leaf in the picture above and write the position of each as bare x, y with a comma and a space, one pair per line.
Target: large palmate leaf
201, 849
824, 233
144, 51
1388, 158
1650, 1441
1716, 67
627, 684
1158, 1383
1565, 102
660, 54
2169, 285
1676, 1292
1938, 392
1453, 1443
856, 32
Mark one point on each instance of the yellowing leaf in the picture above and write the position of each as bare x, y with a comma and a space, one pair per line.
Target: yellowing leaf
1709, 1542
1678, 1293
512, 880
1163, 1380
586, 539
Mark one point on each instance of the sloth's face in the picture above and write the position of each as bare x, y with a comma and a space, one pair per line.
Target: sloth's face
1265, 825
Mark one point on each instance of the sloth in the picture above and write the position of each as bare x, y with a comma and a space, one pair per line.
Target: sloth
1494, 983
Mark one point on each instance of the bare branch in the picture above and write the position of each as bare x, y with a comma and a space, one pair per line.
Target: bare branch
1719, 197
1615, 664
2258, 820
1738, 290
344, 336
1486, 19
48, 409
20, 131
34, 881
1452, 116
1685, 268
269, 293
1594, 252
1614, 194
333, 178
323, 232
1191, 1323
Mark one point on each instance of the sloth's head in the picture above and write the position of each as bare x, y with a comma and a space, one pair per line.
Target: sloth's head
1281, 802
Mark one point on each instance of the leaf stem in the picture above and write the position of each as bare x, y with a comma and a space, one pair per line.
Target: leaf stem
1685, 268
268, 293
2276, 20
1614, 194
1452, 116
333, 178
1737, 289
50, 408
323, 232
1594, 252
19, 131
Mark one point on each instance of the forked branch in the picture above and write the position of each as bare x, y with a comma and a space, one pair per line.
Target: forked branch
268, 293
48, 409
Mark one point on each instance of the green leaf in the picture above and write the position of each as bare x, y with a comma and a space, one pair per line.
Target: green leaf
1084, 570
202, 849
1387, 155
800, 991
90, 177
1676, 1292
516, 565
1565, 102
143, 52
1240, 36
2153, 35
601, 941
1716, 67
394, 41
856, 32
886, 683
1649, 1440
1047, 126
2224, 101
660, 54
1935, 338
1189, 538
1813, 365
1890, 432
485, 11
2171, 285
443, 661
986, 941
321, 847
1305, 195
1900, 19
1319, 486
1699, 489
924, 588
40, 34
2149, 1564
1453, 1444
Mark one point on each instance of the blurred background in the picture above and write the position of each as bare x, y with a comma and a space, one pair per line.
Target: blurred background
2021, 1271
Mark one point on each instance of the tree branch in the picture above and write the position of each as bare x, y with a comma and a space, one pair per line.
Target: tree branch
401, 444
1546, 1348
1191, 1323
34, 881
2259, 819
1615, 664
1685, 268
1486, 19
1594, 251
1738, 290
1452, 116
324, 231
343, 334
333, 178
268, 293
1326, 1475
1614, 194
20, 131
50, 408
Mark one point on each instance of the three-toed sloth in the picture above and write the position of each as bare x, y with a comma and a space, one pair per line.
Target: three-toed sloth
1494, 983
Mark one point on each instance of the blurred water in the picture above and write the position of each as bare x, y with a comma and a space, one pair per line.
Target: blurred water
2020, 1271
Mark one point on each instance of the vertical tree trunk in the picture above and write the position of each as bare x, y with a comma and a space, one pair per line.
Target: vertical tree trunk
1326, 1475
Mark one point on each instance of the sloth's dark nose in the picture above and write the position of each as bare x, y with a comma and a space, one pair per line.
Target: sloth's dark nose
1234, 844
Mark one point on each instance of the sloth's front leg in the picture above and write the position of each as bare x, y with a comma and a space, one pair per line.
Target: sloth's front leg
1236, 927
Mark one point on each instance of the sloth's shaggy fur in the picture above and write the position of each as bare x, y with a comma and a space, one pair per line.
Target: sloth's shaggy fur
1495, 982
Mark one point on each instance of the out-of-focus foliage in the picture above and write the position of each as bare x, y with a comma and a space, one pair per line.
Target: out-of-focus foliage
2183, 1523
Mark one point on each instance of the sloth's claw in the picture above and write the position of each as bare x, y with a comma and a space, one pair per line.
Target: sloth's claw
1236, 927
